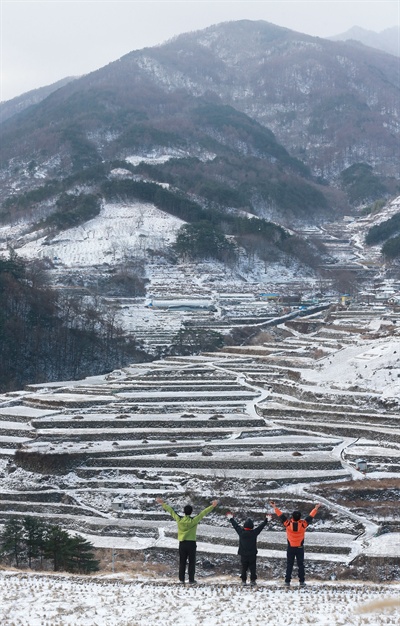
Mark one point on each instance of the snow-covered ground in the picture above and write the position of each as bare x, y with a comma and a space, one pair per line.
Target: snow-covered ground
35, 600
120, 231
372, 365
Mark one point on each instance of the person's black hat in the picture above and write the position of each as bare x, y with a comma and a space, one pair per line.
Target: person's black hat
249, 523
188, 510
296, 515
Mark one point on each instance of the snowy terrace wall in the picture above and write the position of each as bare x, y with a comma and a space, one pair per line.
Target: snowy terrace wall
243, 425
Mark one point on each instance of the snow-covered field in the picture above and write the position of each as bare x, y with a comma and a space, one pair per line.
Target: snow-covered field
110, 237
35, 600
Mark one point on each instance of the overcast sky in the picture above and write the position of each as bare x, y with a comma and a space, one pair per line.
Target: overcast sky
43, 41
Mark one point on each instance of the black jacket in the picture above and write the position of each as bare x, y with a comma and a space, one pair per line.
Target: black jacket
247, 537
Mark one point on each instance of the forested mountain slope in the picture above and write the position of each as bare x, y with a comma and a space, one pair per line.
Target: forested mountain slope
216, 95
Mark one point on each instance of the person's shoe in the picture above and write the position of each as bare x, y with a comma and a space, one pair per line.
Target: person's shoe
303, 584
244, 583
286, 584
192, 582
181, 582
253, 583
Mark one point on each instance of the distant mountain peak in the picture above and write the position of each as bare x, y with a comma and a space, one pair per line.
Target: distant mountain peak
388, 40
8, 108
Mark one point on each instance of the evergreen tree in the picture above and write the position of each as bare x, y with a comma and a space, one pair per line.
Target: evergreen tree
80, 556
31, 538
12, 542
57, 547
34, 537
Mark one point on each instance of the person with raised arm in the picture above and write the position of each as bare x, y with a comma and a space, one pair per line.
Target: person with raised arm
295, 533
248, 545
187, 530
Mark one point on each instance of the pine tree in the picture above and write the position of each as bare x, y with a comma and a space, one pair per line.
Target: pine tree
57, 547
12, 540
31, 538
81, 558
34, 537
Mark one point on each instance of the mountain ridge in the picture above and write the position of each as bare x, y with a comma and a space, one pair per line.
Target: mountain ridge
9, 108
251, 118
297, 85
386, 40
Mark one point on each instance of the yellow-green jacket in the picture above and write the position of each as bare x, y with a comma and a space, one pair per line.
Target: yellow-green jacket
187, 526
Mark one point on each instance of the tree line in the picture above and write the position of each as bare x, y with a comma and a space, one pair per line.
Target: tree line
387, 231
34, 543
45, 335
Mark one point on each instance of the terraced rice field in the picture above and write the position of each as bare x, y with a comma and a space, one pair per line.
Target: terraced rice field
244, 425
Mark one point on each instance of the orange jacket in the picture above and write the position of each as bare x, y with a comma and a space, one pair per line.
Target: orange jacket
295, 531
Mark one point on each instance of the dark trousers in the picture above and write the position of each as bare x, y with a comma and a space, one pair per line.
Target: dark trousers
249, 562
187, 551
292, 554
